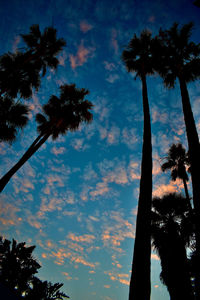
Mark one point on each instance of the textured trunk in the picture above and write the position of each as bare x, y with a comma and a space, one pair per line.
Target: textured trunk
39, 141
140, 284
194, 152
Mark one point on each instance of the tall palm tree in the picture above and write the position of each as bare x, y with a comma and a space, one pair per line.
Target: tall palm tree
177, 161
180, 59
171, 234
138, 59
60, 115
12, 117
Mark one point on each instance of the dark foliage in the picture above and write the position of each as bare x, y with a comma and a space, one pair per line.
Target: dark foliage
17, 273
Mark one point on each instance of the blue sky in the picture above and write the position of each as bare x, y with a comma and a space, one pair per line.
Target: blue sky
76, 199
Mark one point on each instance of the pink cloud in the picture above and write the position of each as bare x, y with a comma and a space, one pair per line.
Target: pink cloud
58, 151
114, 42
154, 256
85, 26
162, 189
81, 56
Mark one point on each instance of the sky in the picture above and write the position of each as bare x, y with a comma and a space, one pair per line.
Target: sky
76, 198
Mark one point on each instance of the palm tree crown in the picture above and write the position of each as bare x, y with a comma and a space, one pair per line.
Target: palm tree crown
12, 117
138, 54
66, 112
43, 48
176, 160
178, 57
172, 232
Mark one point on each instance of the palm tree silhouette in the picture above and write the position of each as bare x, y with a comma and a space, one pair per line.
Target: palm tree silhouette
180, 59
171, 234
137, 58
42, 49
12, 116
176, 161
21, 72
60, 115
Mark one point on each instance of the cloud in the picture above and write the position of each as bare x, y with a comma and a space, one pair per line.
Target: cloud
62, 57
58, 151
163, 189
8, 214
122, 278
154, 256
101, 189
109, 66
129, 137
114, 42
16, 42
81, 260
85, 26
86, 238
159, 117
78, 144
81, 56
112, 78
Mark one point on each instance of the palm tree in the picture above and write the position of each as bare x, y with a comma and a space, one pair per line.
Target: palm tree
176, 161
42, 49
180, 59
60, 115
12, 116
171, 234
20, 71
138, 59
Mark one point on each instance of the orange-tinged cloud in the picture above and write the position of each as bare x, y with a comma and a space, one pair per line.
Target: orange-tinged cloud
119, 277
154, 256
88, 238
85, 26
81, 260
81, 56
169, 188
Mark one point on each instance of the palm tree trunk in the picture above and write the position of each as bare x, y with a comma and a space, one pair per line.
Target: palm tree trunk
194, 152
39, 141
187, 194
140, 284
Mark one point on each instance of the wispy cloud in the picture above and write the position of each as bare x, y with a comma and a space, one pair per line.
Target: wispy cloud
81, 56
85, 26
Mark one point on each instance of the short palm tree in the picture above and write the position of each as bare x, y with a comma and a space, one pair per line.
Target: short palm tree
138, 59
171, 235
177, 161
13, 116
60, 115
180, 59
